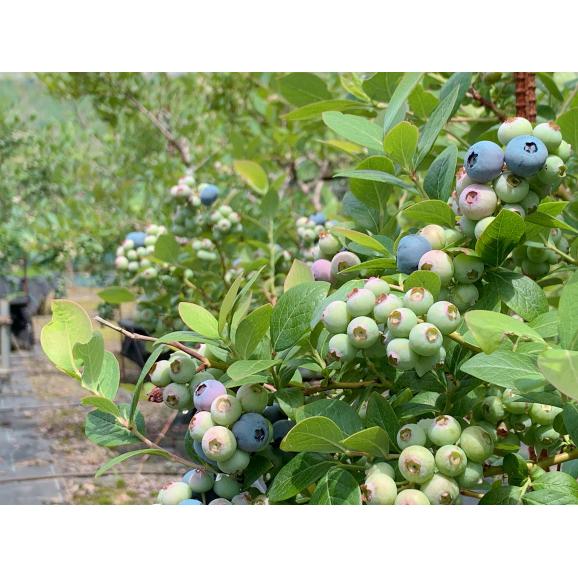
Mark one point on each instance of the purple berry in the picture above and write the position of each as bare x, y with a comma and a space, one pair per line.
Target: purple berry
206, 393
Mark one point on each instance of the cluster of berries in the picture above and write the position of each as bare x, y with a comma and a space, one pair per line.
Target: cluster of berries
535, 258
407, 328
133, 254
308, 231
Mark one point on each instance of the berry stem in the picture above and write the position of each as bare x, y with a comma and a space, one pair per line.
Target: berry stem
563, 255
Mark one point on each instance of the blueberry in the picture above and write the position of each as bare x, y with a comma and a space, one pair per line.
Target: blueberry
462, 180
484, 161
182, 369
340, 348
435, 235
530, 202
199, 424
236, 463
543, 414
379, 490
137, 238
190, 502
335, 317
226, 410
466, 226
133, 267
280, 429
465, 296
564, 151
467, 268
444, 430
411, 497
416, 464
177, 396
409, 251
253, 397
546, 435
511, 189
472, 476
441, 490
418, 299
451, 460
410, 435
360, 302
362, 332
377, 286
174, 493
384, 305
199, 480
453, 237
199, 377
525, 155
328, 244
219, 443
536, 254
426, 363
226, 486
513, 127
553, 171
321, 270
220, 502
382, 468
511, 403
401, 321
206, 392
493, 409
318, 218
400, 355
440, 263
339, 263
549, 133
121, 263
274, 413
518, 209
477, 443
208, 194
534, 270
477, 202
198, 447
253, 432
425, 339
132, 255
160, 374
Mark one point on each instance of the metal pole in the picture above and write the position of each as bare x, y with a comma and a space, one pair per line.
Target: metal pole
5, 323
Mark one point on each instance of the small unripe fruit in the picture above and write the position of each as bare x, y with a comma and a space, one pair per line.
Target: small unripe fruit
411, 497
121, 263
379, 490
451, 460
363, 332
467, 268
435, 235
534, 270
418, 299
416, 464
410, 435
160, 374
440, 263
513, 127
549, 133
384, 305
477, 202
511, 188
493, 409
226, 486
400, 355
335, 317
445, 316
546, 435
377, 286
225, 410
530, 202
467, 227
518, 209
340, 348
182, 369
220, 502
200, 481
465, 296
544, 414
328, 244
340, 262
483, 161
253, 397
425, 339
472, 476
462, 180
426, 363
477, 443
177, 396
564, 151
444, 430
219, 443
453, 237
382, 468
401, 321
199, 424
441, 490
174, 493
553, 171
360, 302
237, 463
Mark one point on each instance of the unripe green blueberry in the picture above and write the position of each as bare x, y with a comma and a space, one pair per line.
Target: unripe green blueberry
384, 305
360, 302
518, 209
543, 414
490, 428
564, 151
226, 486
451, 460
121, 263
199, 377
425, 339
174, 493
379, 490
472, 476
418, 299
530, 202
520, 423
363, 332
381, 468
549, 133
493, 409
377, 286
335, 317
340, 262
425, 363
536, 254
401, 321
226, 410
478, 201
411, 497
199, 424
553, 170
466, 226
253, 397
235, 464
377, 350
410, 434
441, 490
219, 444
438, 262
444, 430
435, 235
546, 435
468, 268
340, 348
177, 396
534, 270
328, 244
477, 443
400, 355
206, 255
416, 464
132, 255
482, 225
453, 236
160, 374
513, 127
182, 369
511, 188
445, 316
133, 266
513, 406
199, 480
465, 296
563, 245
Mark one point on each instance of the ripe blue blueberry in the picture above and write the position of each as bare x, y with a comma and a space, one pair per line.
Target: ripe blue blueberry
318, 218
219, 443
280, 429
208, 194
384, 305
441, 490
379, 490
199, 480
465, 296
410, 434
410, 250
191, 502
226, 410
339, 263
182, 369
177, 396
425, 339
435, 235
226, 486
362, 332
377, 286
401, 321
174, 493
411, 497
444, 430
199, 424
513, 127
400, 355
477, 443
440, 263
340, 348
253, 432
549, 133
418, 299
253, 397
137, 237
273, 413
478, 201
321, 270
335, 317
360, 302
416, 464
483, 161
236, 463
468, 268
206, 392
525, 155
160, 374
451, 460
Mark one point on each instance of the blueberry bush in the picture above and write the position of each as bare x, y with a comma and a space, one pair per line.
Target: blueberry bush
421, 344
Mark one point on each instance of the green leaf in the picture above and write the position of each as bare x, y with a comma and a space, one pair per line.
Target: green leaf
570, 417
380, 413
461, 80
314, 434
427, 279
395, 108
548, 222
500, 238
252, 329
229, 302
245, 368
337, 488
434, 125
502, 496
556, 481
199, 320
103, 429
299, 273
109, 378
116, 295
253, 174
365, 217
373, 441
516, 468
123, 457
546, 324
568, 123
372, 193
339, 412
551, 498
91, 354
315, 109
166, 249
270, 204
379, 264
439, 180
381, 85
568, 311
362, 239
290, 399
301, 88
355, 128
550, 85
70, 324
292, 313
302, 471
422, 102
400, 143
560, 368
434, 212
102, 404
490, 329
185, 337
377, 176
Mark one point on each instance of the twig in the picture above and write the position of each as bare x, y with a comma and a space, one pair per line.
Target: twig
82, 475
472, 494
342, 385
486, 103
455, 336
166, 427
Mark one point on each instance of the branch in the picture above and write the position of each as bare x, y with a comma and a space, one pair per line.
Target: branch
486, 103
526, 95
342, 385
